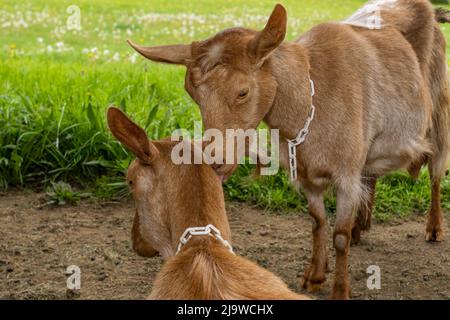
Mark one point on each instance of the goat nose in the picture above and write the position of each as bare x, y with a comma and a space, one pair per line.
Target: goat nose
216, 166
224, 170
219, 168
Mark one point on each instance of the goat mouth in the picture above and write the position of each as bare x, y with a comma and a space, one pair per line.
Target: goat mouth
222, 174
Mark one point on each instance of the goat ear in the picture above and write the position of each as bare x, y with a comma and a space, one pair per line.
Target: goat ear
131, 135
176, 54
272, 36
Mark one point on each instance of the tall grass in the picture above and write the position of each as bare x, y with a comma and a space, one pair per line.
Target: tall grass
52, 104
52, 124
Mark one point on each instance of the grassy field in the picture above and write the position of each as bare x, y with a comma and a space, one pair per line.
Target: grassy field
55, 85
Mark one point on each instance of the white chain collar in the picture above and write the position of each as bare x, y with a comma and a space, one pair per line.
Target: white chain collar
202, 231
301, 137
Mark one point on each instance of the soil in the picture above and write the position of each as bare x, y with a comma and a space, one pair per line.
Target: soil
38, 243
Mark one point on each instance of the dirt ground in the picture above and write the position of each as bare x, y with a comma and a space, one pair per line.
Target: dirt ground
37, 244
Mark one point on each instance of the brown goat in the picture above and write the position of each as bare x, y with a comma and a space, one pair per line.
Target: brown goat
171, 198
381, 101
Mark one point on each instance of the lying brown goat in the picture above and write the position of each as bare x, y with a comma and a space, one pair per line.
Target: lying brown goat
172, 198
381, 103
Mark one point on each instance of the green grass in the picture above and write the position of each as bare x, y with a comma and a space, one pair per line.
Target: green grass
52, 104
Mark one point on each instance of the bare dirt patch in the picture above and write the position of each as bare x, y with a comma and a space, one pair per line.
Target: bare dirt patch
37, 245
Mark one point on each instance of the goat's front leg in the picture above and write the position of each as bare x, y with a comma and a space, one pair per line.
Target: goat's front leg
315, 274
347, 202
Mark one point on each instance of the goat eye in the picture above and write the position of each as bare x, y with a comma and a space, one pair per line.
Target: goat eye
243, 93
130, 183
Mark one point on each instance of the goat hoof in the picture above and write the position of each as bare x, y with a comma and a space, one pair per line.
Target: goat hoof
311, 284
340, 296
341, 292
435, 235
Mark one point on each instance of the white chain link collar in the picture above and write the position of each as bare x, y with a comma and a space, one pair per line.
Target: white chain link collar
301, 137
202, 231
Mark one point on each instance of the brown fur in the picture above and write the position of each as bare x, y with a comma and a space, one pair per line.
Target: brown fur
382, 104
170, 198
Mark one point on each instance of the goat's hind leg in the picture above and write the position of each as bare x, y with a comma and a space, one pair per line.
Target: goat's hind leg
434, 230
435, 223
439, 134
363, 218
315, 273
349, 196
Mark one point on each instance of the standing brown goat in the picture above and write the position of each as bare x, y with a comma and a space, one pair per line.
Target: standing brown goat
381, 102
171, 198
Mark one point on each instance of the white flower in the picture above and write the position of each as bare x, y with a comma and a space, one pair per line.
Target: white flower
21, 23
116, 56
60, 47
106, 52
40, 40
49, 49
133, 57
85, 50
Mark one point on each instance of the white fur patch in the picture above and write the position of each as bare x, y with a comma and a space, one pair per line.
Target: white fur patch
212, 57
369, 16
216, 51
